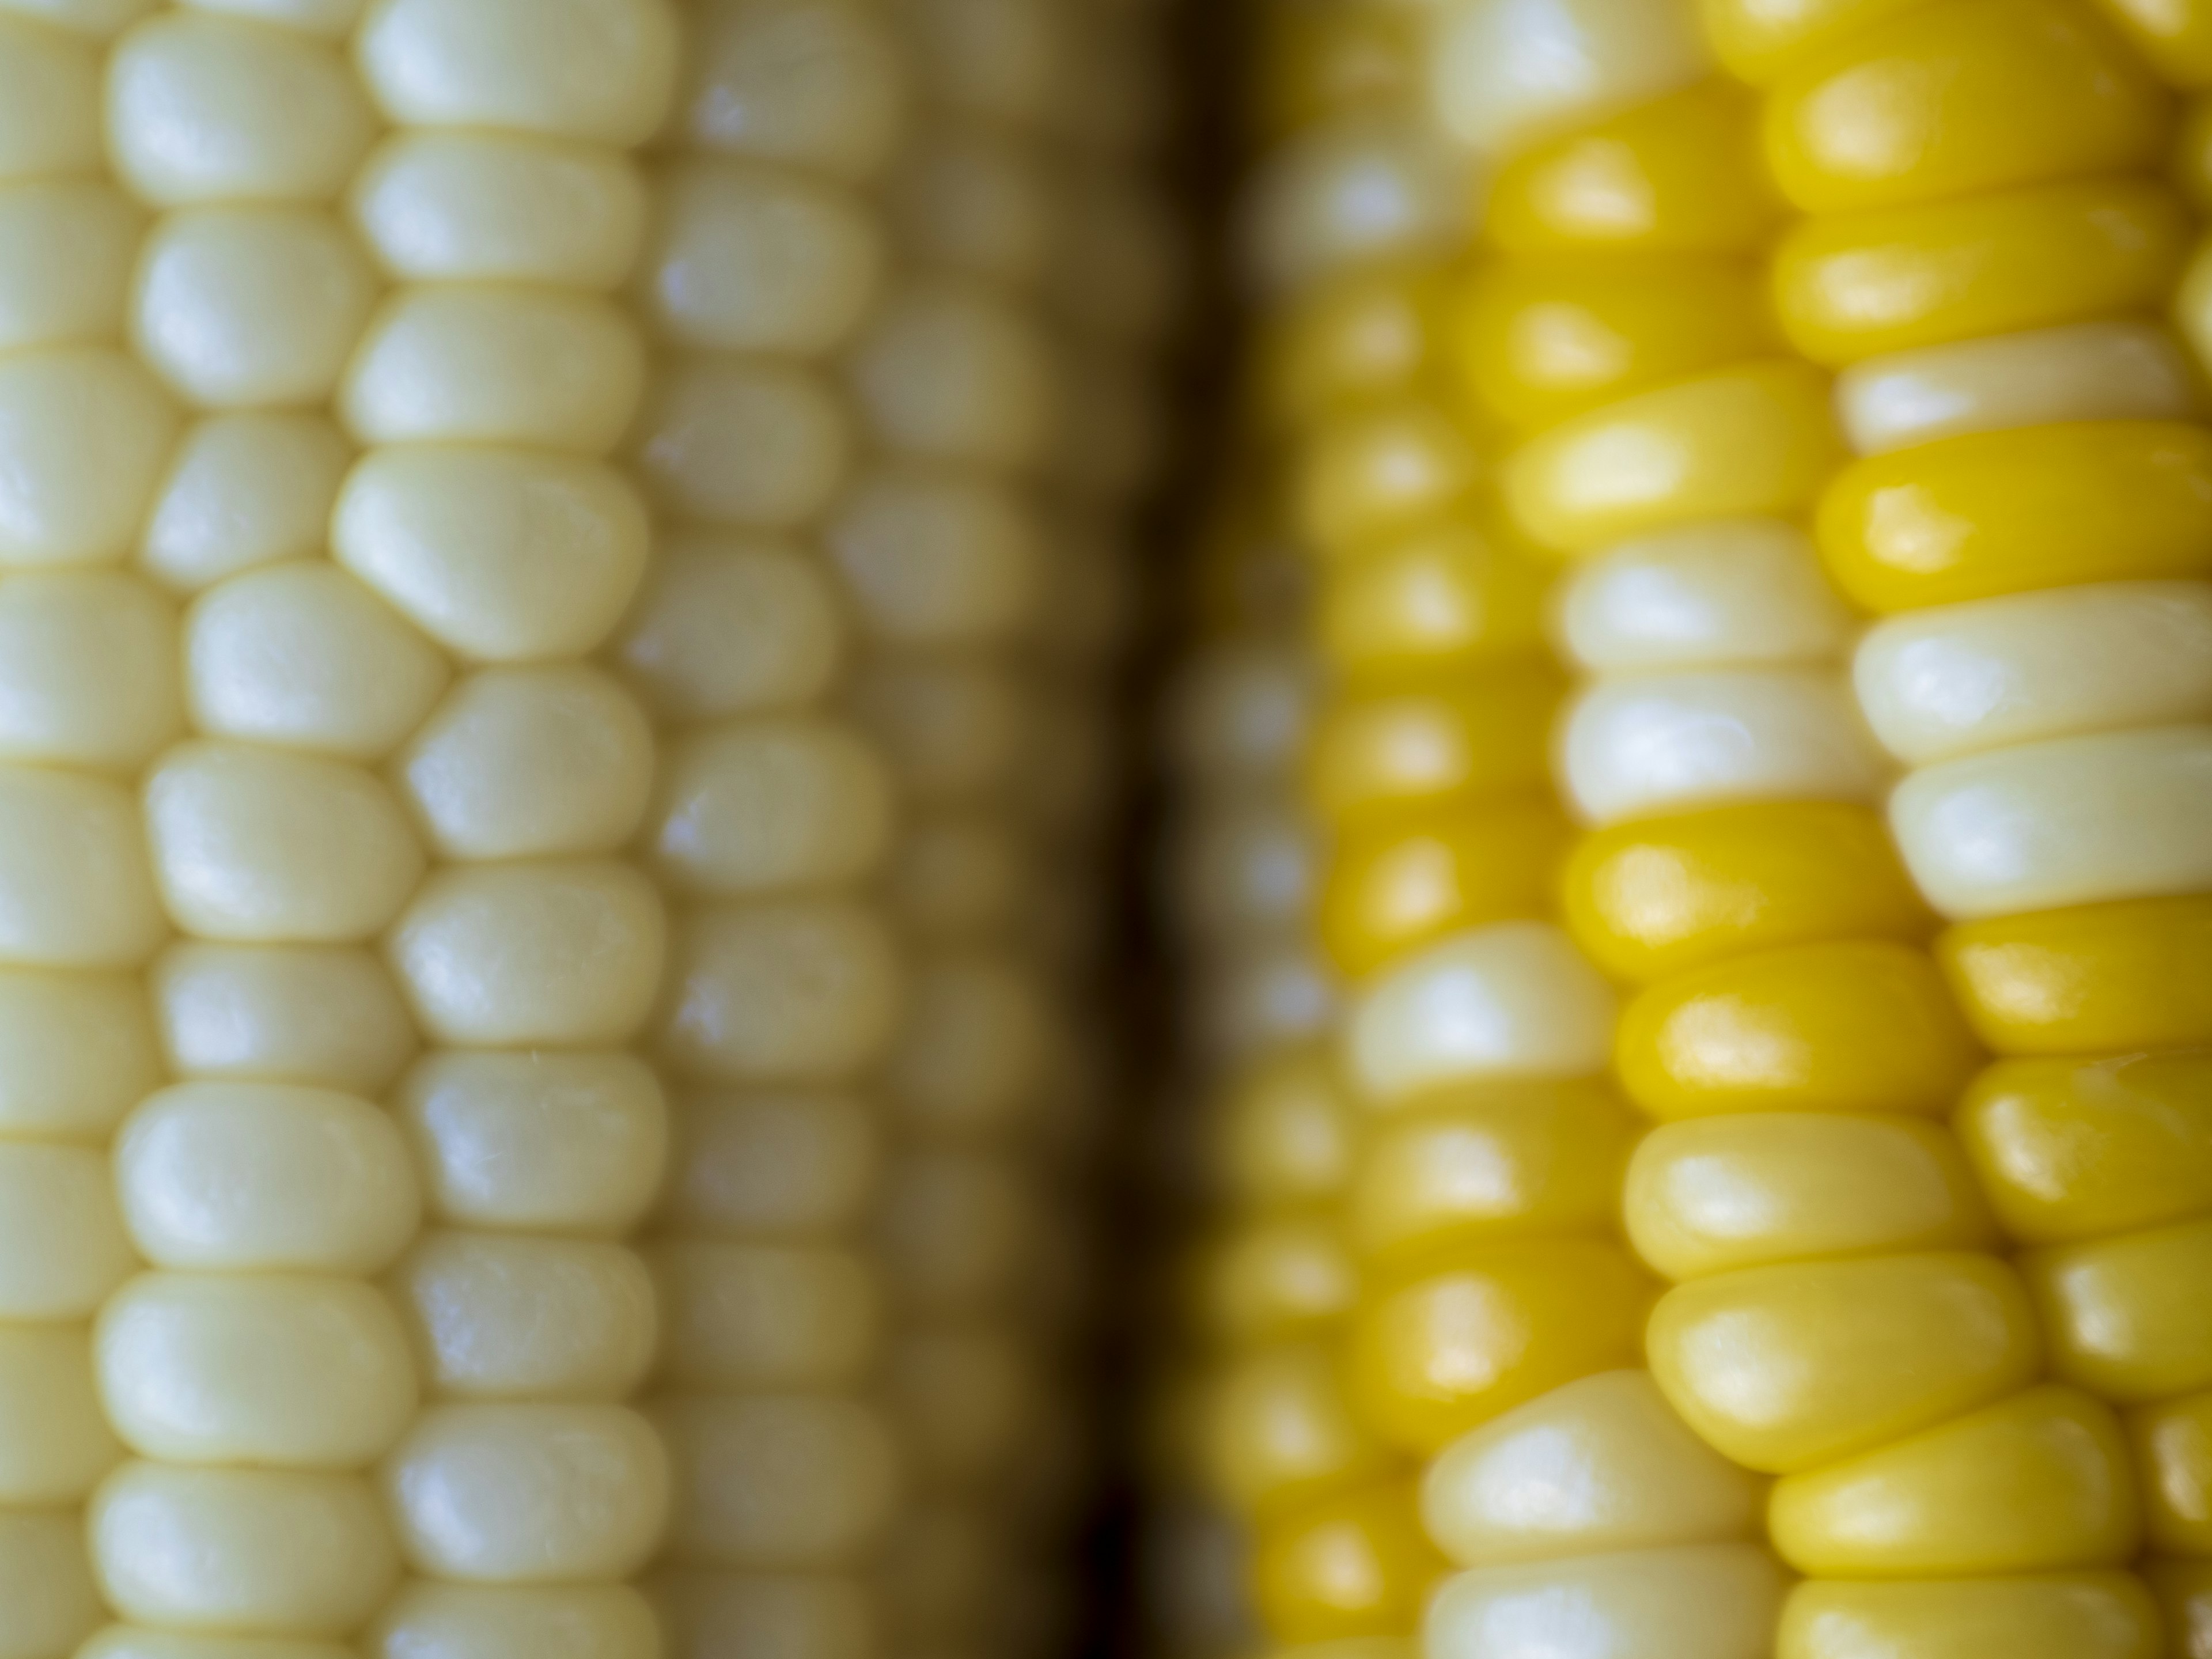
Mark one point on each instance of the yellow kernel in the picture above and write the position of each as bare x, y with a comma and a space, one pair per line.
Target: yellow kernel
1456, 743
2174, 1457
1758, 39
1372, 473
783, 1165
2120, 1314
81, 1053
2056, 1615
1280, 1431
45, 1574
1443, 598
1347, 1565
951, 371
2096, 979
1365, 334
1278, 1278
931, 558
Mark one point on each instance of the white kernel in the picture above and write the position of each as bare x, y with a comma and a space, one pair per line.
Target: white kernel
2119, 370
936, 558
576, 1142
715, 1614
241, 307
782, 1166
252, 1177
257, 846
209, 109
77, 1051
972, 1050
1368, 187
282, 1370
478, 206
62, 1244
766, 1317
46, 1584
327, 17
1242, 711
518, 762
1512, 1001
66, 252
87, 669
1664, 742
580, 69
84, 436
551, 1621
488, 363
1504, 75
564, 954
798, 1481
249, 1551
524, 1494
244, 490
727, 625
788, 991
49, 103
771, 804
55, 1444
76, 890
952, 727
324, 1015
1693, 1601
2072, 821
740, 442
303, 656
136, 1641
1962, 677
746, 258
814, 83
950, 371
505, 1318
975, 199
500, 556
1743, 591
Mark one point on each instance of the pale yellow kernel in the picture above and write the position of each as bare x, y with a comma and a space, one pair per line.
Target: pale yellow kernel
87, 669
580, 69
781, 1166
55, 1444
500, 554
567, 1621
952, 727
66, 250
747, 257
815, 83
936, 557
77, 1051
206, 108
493, 363
46, 1584
999, 60
83, 437
481, 207
742, 442
794, 990
770, 805
519, 763
975, 199
301, 655
562, 954
97, 19
719, 1614
1371, 185
278, 1370
251, 308
257, 846
324, 1016
243, 490
730, 624
136, 1641
766, 1318
975, 1046
258, 1177
334, 18
75, 890
249, 1551
949, 370
62, 1244
511, 1317
803, 1481
531, 1141
528, 1494
49, 103
954, 1229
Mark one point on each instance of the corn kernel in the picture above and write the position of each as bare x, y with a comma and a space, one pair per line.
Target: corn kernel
734, 442
2118, 1312
1693, 1601
1353, 1564
242, 491
1383, 754
1281, 1433
84, 435
2100, 978
932, 558
450, 1621
50, 88
58, 1443
2058, 1615
1371, 474
1444, 596
1758, 39
279, 1013
767, 1481
741, 93
66, 252
496, 1317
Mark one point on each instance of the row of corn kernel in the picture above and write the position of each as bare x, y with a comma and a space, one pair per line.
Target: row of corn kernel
80, 1042
484, 389
764, 259
2043, 668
